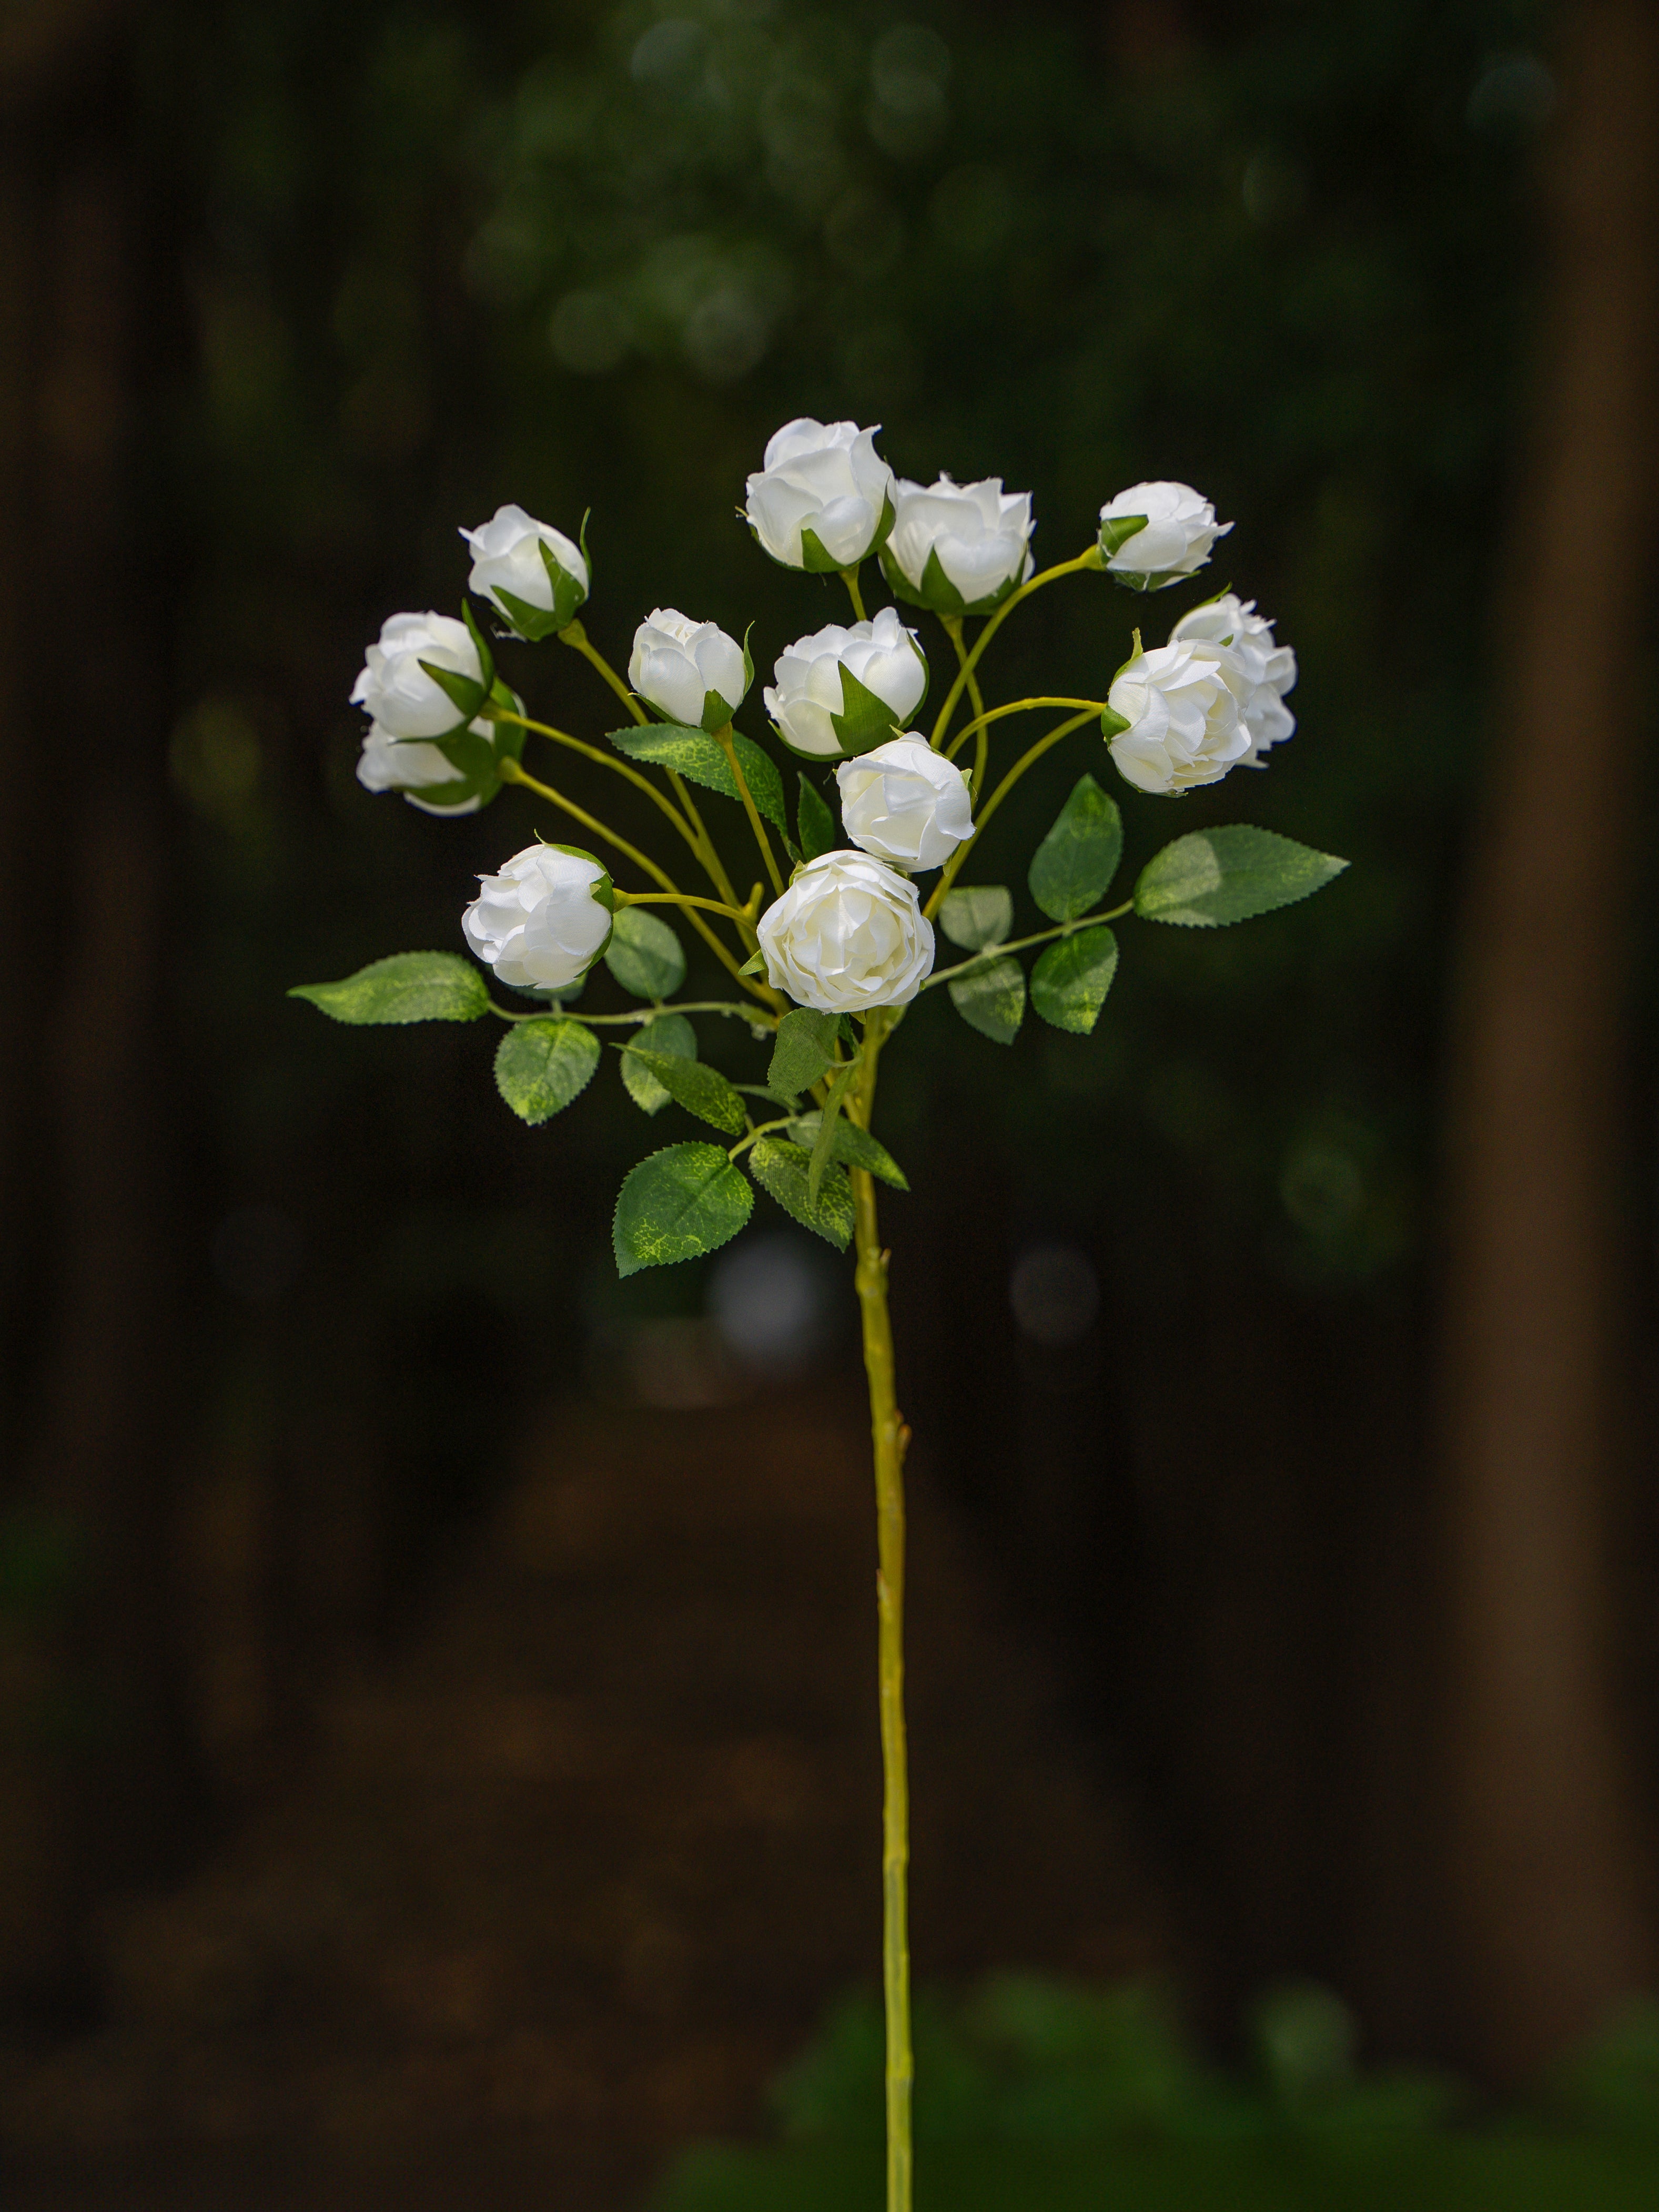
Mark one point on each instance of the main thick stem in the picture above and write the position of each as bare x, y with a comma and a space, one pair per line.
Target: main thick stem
890, 1435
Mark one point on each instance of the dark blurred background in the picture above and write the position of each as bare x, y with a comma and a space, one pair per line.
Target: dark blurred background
1278, 1357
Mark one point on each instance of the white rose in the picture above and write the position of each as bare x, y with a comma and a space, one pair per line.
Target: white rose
808, 696
508, 564
824, 478
540, 923
1182, 705
691, 672
1269, 667
847, 935
397, 690
1179, 530
976, 537
906, 803
386, 763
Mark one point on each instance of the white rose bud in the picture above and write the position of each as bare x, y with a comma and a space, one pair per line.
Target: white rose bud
388, 764
1154, 534
1269, 667
544, 920
848, 934
1175, 715
530, 573
692, 672
906, 803
958, 549
825, 499
396, 689
814, 708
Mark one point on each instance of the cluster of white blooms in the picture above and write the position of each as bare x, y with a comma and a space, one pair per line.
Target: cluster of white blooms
810, 703
692, 672
1212, 699
544, 920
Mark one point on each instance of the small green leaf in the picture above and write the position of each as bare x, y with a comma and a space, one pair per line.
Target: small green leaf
1217, 875
696, 756
976, 914
667, 1033
804, 1050
678, 1205
644, 955
784, 1170
1077, 858
541, 1065
1070, 982
701, 1090
991, 998
815, 824
853, 1146
409, 987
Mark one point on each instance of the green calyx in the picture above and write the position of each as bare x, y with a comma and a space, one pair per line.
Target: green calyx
937, 593
1115, 533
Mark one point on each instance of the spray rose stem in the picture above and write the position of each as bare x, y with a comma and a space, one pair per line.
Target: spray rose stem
890, 1437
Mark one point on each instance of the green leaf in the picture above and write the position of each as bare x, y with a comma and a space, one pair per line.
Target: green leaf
541, 1065
815, 824
1070, 982
991, 998
701, 1090
678, 1205
1217, 875
644, 955
804, 1050
1077, 858
853, 1146
696, 756
976, 914
667, 1033
783, 1169
409, 987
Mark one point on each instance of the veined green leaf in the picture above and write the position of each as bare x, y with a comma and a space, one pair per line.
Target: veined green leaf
853, 1146
696, 756
1077, 858
678, 1205
1219, 876
1070, 982
644, 955
667, 1033
409, 986
541, 1065
783, 1169
974, 915
701, 1090
804, 1049
991, 998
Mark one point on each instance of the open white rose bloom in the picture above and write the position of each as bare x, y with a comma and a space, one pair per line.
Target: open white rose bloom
906, 803
811, 702
823, 499
792, 889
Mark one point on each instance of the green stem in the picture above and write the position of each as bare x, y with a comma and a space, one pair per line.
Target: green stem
741, 915
1022, 944
850, 578
1027, 759
574, 635
723, 739
993, 622
890, 1437
646, 1013
606, 760
982, 720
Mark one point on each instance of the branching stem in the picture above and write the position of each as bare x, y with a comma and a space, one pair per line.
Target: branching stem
723, 738
1027, 759
993, 622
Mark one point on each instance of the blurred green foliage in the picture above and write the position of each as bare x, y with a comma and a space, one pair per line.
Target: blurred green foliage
1036, 2094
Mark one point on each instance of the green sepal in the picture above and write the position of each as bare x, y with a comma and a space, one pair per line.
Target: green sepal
813, 557
974, 915
1214, 877
1112, 724
694, 755
678, 1205
1069, 983
569, 592
755, 964
815, 824
990, 998
644, 955
486, 658
532, 624
864, 722
702, 1089
670, 1033
782, 1170
406, 986
541, 1065
937, 593
748, 662
803, 1050
1077, 858
853, 1146
464, 693
1116, 534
